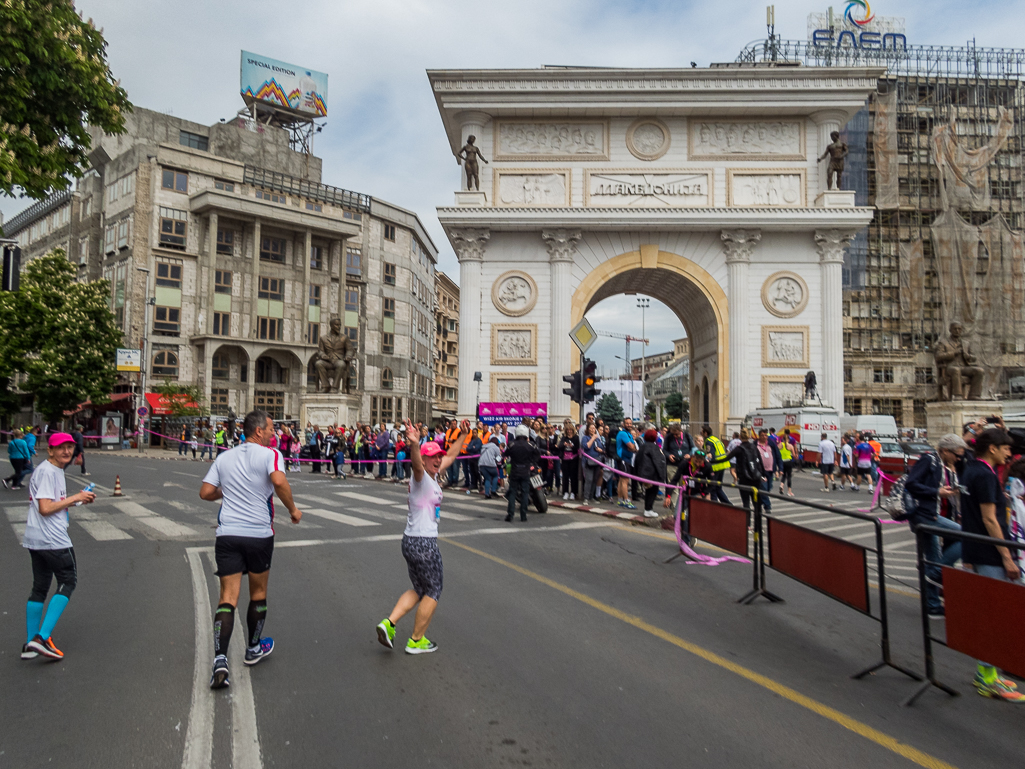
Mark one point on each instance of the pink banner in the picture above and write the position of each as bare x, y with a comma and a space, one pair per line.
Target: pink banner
511, 413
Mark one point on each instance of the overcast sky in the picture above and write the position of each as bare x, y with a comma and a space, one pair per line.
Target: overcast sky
383, 134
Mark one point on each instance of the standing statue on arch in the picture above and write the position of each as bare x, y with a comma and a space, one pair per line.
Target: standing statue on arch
467, 157
836, 151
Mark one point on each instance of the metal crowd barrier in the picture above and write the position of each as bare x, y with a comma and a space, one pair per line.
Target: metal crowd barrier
984, 616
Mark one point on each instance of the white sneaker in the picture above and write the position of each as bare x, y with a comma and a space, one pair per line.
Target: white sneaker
650, 514
565, 496
572, 497
870, 489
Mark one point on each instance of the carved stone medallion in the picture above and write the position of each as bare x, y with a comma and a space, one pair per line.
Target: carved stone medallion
648, 139
514, 293
785, 294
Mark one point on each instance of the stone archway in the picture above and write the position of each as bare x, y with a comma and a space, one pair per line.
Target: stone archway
698, 301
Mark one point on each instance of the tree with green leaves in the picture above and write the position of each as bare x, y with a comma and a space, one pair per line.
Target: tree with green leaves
676, 407
61, 334
609, 408
54, 84
182, 400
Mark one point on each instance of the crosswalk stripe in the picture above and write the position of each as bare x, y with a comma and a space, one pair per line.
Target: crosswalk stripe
16, 513
340, 518
103, 531
147, 517
384, 501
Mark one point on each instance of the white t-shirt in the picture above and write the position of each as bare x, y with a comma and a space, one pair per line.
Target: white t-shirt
423, 498
46, 532
846, 455
243, 476
827, 449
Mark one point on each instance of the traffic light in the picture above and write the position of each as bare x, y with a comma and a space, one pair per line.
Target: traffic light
11, 268
573, 391
590, 392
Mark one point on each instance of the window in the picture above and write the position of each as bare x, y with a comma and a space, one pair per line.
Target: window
165, 363
87, 208
389, 308
224, 186
389, 232
451, 325
225, 241
893, 407
169, 275
219, 366
173, 228
123, 228
388, 344
883, 375
352, 300
848, 375
273, 197
354, 262
218, 399
222, 323
924, 375
271, 401
312, 333
353, 333
196, 141
272, 249
314, 206
373, 410
386, 412
316, 257
167, 321
390, 274
222, 282
314, 296
852, 406
271, 288
269, 371
387, 380
110, 239
269, 328
175, 180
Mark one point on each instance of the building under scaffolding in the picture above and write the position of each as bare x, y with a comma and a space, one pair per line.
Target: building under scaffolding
938, 151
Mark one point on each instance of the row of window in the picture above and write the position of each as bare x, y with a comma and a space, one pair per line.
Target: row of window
120, 188
924, 375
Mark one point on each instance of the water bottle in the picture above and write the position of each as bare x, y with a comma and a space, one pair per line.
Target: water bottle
437, 513
90, 487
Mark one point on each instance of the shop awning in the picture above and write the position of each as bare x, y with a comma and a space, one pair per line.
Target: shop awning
160, 405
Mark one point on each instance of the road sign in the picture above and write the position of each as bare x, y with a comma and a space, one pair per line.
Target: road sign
583, 335
129, 360
143, 411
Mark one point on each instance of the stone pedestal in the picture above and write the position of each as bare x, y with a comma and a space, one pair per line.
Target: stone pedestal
471, 198
835, 199
944, 417
330, 409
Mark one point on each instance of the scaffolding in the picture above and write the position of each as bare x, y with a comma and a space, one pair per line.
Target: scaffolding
898, 295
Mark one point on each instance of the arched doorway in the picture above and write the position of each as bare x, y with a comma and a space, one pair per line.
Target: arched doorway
698, 301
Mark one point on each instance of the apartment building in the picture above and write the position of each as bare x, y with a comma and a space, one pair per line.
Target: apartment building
227, 258
446, 347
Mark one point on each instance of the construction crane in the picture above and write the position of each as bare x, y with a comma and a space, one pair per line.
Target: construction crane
628, 338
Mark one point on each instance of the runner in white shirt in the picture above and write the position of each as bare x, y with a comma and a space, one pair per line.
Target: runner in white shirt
846, 461
827, 460
420, 540
47, 541
245, 479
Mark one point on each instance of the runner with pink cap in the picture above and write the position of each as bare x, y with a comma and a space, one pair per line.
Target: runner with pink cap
420, 540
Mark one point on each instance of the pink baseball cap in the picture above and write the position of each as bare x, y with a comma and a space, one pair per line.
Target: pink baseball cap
431, 449
59, 438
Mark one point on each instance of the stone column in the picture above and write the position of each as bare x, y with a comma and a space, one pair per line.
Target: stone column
739, 245
826, 121
211, 261
324, 301
472, 123
469, 247
831, 245
562, 249
255, 273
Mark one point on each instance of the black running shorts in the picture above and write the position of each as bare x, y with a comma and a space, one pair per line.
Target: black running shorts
47, 564
239, 555
423, 559
827, 469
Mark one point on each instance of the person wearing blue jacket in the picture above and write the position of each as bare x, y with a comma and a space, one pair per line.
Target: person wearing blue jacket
20, 456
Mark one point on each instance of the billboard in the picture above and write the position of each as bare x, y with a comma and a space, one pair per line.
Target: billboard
129, 360
283, 85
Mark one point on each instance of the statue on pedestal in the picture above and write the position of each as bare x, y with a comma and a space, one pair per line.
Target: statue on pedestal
836, 151
333, 359
467, 156
955, 360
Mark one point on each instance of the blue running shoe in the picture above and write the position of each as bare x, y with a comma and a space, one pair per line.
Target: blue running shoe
263, 650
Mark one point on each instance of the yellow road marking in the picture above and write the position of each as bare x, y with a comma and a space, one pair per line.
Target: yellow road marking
880, 738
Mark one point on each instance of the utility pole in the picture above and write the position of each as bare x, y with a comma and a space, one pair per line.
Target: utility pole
643, 303
145, 356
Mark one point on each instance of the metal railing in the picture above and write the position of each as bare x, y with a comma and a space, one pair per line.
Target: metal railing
292, 185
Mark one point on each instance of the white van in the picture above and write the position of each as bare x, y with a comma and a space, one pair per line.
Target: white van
806, 424
879, 425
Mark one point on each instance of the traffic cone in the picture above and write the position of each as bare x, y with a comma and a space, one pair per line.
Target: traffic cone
117, 488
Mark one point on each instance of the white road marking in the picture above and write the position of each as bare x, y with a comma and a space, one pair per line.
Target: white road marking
845, 526
340, 518
103, 531
363, 497
199, 735
17, 513
245, 737
445, 513
147, 517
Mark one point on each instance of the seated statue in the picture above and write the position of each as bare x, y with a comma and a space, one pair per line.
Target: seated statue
954, 362
332, 360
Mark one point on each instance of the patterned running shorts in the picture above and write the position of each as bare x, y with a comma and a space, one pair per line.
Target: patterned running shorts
423, 559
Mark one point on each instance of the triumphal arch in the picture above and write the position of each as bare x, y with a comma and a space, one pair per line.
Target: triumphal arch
704, 188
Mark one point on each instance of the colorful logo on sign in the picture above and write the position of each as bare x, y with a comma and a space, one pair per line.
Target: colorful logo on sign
853, 6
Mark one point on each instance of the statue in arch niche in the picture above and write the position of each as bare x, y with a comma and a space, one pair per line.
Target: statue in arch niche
467, 157
836, 151
332, 360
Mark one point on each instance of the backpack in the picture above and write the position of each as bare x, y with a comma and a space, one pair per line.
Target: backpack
900, 504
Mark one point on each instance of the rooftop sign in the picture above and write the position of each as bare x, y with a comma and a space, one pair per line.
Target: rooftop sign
283, 85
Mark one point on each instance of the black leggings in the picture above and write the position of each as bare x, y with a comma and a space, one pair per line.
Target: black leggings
47, 564
650, 495
787, 475
570, 476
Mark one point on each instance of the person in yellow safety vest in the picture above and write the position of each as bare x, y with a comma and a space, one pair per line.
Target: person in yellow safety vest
219, 439
717, 456
787, 449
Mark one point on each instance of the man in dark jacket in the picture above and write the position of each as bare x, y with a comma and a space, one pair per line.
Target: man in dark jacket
933, 486
748, 472
523, 454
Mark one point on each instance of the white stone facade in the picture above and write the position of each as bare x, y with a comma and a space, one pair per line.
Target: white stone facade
700, 188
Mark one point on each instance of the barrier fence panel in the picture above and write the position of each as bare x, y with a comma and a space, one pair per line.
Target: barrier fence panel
828, 564
720, 525
984, 616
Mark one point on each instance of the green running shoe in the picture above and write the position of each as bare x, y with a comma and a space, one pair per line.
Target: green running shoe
386, 633
423, 646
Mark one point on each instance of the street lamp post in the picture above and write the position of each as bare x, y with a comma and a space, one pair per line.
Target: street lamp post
643, 303
145, 353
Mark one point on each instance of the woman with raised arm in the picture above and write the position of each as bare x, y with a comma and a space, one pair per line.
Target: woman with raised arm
420, 540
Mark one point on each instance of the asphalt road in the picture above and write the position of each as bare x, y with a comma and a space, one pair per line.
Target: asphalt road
564, 642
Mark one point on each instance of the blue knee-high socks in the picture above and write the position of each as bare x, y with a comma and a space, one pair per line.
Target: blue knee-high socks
33, 618
53, 613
